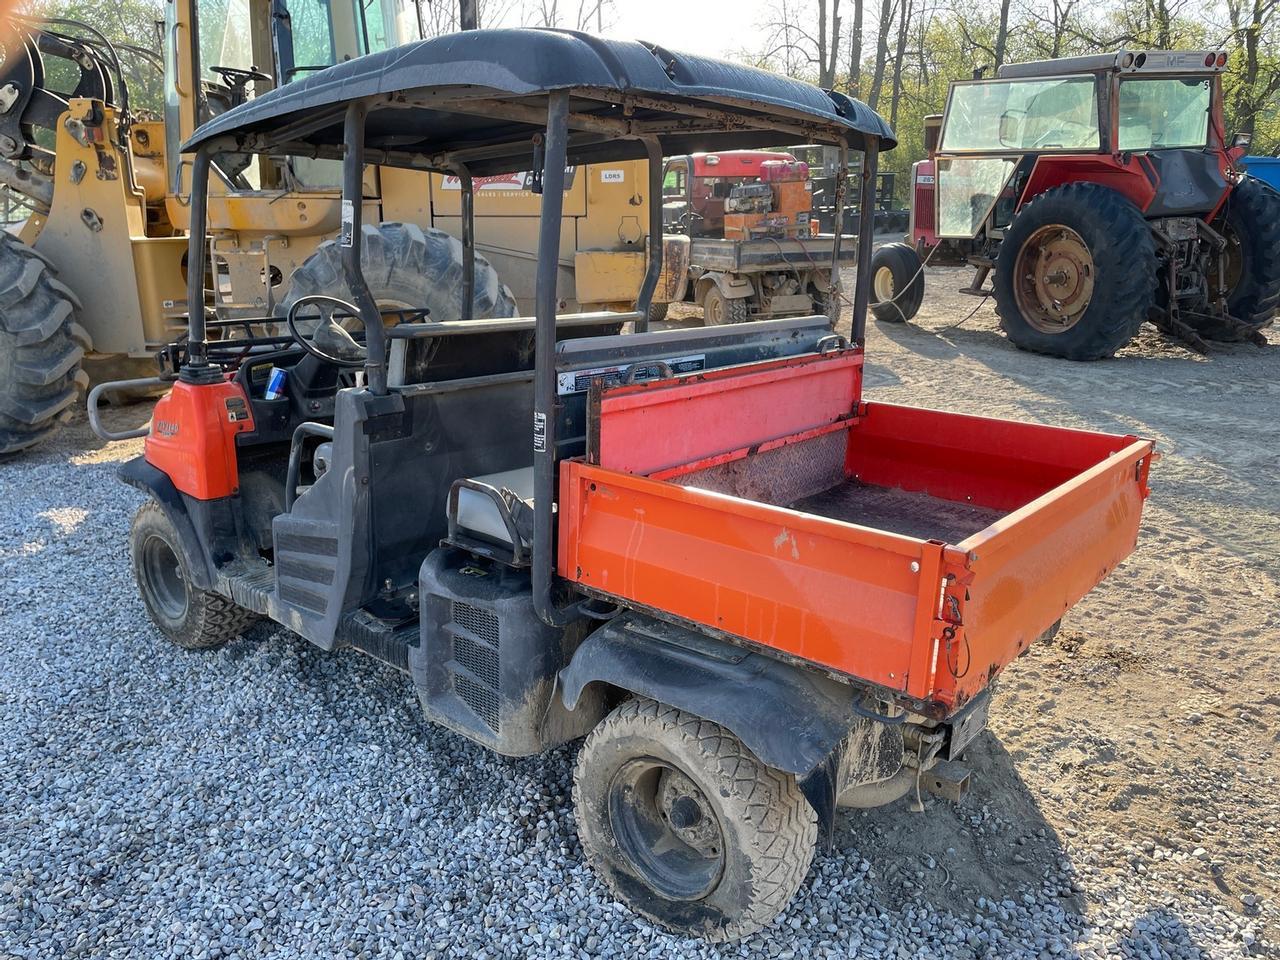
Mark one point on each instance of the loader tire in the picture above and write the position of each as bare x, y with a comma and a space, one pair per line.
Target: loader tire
191, 618
405, 266
41, 347
897, 282
1251, 225
1076, 273
686, 825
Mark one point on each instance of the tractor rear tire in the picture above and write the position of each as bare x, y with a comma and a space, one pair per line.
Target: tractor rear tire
41, 347
1108, 256
1252, 226
717, 309
407, 266
192, 618
897, 282
686, 825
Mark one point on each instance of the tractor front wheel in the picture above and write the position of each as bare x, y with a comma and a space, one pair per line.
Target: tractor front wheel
897, 282
1076, 273
686, 825
192, 618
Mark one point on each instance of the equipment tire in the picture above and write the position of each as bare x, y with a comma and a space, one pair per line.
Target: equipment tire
658, 312
717, 309
41, 347
404, 264
650, 779
897, 282
1120, 273
1252, 222
193, 619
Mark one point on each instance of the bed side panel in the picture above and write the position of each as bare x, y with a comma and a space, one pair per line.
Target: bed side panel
1002, 464
856, 600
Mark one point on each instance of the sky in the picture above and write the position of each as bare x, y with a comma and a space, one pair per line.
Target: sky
710, 27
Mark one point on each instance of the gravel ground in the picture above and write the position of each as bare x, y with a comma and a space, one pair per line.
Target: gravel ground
268, 799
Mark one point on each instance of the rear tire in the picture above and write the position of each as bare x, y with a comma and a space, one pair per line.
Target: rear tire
686, 825
897, 282
1252, 227
41, 347
405, 265
1117, 280
191, 618
658, 312
717, 309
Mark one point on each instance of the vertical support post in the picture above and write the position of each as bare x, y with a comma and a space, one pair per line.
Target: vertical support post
545, 402
837, 229
654, 150
468, 241
468, 15
197, 369
866, 239
351, 242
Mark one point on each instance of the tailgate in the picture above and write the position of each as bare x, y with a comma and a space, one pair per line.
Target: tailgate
1008, 584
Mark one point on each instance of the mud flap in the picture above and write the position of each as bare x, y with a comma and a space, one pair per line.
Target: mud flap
142, 475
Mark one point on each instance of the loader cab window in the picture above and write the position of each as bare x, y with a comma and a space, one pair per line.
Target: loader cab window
385, 24
1164, 114
310, 38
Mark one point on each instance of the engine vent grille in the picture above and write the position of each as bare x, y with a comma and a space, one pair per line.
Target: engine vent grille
476, 676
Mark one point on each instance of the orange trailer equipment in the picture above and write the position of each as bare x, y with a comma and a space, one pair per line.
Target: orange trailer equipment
756, 594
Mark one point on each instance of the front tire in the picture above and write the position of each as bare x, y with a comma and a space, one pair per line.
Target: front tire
191, 618
686, 825
41, 347
1076, 273
897, 282
405, 266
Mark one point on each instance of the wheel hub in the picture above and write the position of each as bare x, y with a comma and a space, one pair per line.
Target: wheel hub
1054, 279
163, 579
666, 829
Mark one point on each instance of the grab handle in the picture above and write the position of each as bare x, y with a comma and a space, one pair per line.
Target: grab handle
95, 395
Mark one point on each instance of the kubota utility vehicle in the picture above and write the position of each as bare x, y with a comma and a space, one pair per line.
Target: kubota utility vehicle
1101, 192
754, 593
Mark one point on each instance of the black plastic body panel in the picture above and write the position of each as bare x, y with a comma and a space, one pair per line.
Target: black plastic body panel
791, 717
486, 666
1191, 183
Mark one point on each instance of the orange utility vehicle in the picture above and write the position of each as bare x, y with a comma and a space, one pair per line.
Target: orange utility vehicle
756, 594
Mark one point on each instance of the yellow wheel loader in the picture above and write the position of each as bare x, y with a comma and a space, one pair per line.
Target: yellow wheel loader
92, 286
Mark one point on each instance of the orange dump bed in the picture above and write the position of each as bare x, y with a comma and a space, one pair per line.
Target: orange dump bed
915, 550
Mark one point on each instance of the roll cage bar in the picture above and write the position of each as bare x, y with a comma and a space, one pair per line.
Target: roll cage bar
547, 129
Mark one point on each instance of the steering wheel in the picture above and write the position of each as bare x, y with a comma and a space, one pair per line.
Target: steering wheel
237, 81
335, 345
239, 77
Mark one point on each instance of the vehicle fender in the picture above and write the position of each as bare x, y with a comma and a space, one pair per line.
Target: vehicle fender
147, 478
731, 286
791, 717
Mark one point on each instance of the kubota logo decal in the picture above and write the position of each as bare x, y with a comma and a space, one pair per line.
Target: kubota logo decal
166, 428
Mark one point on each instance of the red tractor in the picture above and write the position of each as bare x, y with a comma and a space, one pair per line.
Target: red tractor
1098, 192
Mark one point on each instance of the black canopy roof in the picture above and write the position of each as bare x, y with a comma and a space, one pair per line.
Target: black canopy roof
479, 97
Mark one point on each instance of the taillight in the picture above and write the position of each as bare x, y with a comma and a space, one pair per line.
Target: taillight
1208, 61
1222, 59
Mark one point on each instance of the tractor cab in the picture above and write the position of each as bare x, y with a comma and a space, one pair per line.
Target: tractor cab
1064, 180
